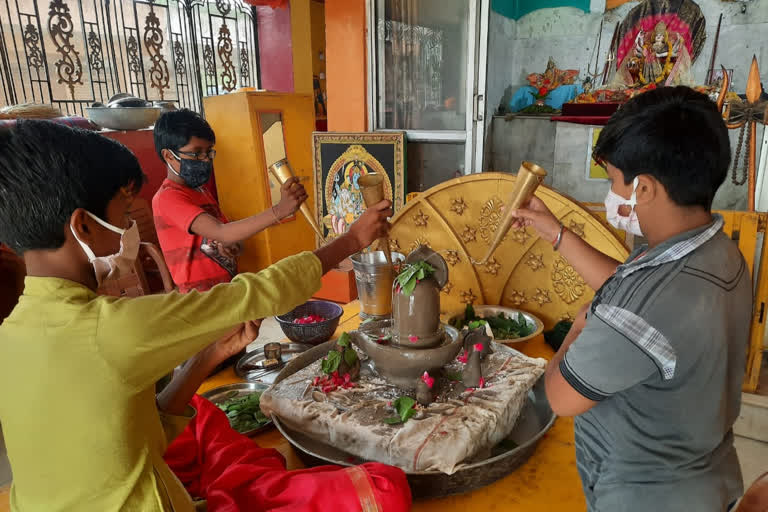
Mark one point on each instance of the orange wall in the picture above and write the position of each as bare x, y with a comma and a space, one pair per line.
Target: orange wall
345, 50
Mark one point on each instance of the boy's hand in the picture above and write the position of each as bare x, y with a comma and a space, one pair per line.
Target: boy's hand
231, 251
234, 342
292, 195
372, 224
537, 214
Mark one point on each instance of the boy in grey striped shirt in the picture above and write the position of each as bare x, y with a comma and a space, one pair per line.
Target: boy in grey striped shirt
652, 369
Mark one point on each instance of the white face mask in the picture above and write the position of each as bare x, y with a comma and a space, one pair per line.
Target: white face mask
115, 265
629, 223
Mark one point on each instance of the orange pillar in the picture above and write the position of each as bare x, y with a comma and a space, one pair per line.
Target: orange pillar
346, 72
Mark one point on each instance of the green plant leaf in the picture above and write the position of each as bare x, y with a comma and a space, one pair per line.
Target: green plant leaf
469, 314
344, 340
454, 376
403, 405
350, 356
331, 363
411, 273
392, 420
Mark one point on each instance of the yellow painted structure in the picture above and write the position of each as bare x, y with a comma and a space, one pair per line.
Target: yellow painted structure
242, 179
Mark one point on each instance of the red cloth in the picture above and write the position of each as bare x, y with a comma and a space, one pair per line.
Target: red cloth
175, 207
275, 4
233, 473
591, 120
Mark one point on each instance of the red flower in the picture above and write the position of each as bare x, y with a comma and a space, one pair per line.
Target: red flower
547, 81
429, 381
478, 347
463, 357
543, 91
413, 339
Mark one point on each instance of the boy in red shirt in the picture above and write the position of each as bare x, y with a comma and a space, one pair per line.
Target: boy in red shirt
199, 244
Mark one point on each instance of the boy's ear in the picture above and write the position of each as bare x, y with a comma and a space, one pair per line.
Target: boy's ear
80, 222
647, 189
168, 156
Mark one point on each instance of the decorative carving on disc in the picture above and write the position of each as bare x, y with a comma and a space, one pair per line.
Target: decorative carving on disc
469, 234
420, 219
394, 245
520, 236
492, 267
452, 257
416, 243
566, 317
447, 288
566, 282
458, 205
542, 297
535, 261
467, 297
577, 228
490, 215
517, 298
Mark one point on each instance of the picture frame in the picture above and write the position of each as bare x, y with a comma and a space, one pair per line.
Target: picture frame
594, 172
339, 159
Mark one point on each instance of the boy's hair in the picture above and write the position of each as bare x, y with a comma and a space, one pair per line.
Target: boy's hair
174, 129
674, 134
47, 171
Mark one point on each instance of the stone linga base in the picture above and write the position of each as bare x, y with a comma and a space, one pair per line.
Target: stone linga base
461, 426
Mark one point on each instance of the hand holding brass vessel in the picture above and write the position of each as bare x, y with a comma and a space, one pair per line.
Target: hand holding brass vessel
529, 177
282, 173
372, 188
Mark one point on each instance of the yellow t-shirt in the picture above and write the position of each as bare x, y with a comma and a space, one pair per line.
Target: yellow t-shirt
77, 377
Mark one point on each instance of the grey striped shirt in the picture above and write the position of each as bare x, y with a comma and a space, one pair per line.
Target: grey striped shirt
663, 352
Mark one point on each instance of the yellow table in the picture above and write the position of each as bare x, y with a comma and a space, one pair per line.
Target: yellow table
548, 481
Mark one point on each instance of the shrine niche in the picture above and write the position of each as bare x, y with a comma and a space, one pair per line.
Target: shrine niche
654, 46
524, 272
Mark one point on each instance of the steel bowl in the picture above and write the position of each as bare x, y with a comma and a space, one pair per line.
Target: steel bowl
223, 393
312, 334
124, 118
482, 311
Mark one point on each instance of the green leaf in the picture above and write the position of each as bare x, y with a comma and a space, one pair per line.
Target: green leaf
454, 376
469, 314
350, 356
407, 415
344, 340
403, 405
409, 287
392, 420
331, 363
411, 273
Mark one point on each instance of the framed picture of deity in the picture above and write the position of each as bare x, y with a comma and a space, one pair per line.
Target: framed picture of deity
340, 159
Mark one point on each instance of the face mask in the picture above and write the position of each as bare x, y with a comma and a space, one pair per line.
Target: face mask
115, 265
629, 223
195, 173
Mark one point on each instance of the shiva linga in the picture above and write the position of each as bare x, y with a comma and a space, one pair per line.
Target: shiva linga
413, 341
529, 177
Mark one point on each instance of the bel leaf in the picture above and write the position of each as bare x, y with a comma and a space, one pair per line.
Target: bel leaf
403, 405
350, 356
343, 340
393, 420
331, 363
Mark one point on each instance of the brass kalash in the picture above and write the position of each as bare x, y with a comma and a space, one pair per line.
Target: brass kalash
419, 341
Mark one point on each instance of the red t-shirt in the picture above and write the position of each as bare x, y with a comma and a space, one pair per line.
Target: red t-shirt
194, 262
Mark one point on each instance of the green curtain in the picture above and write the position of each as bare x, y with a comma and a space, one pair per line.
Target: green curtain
516, 9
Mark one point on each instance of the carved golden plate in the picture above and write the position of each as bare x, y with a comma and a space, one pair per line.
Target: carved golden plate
458, 219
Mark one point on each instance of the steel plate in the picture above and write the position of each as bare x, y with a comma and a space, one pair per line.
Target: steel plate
223, 393
538, 326
247, 367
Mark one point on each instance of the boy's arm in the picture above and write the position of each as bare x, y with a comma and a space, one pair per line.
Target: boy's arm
144, 338
173, 399
208, 226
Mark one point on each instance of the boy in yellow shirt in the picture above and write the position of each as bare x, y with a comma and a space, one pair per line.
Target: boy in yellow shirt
83, 427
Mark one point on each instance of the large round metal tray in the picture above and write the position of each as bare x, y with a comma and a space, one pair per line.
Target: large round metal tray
535, 420
532, 320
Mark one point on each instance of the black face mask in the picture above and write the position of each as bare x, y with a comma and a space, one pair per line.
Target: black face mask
195, 173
